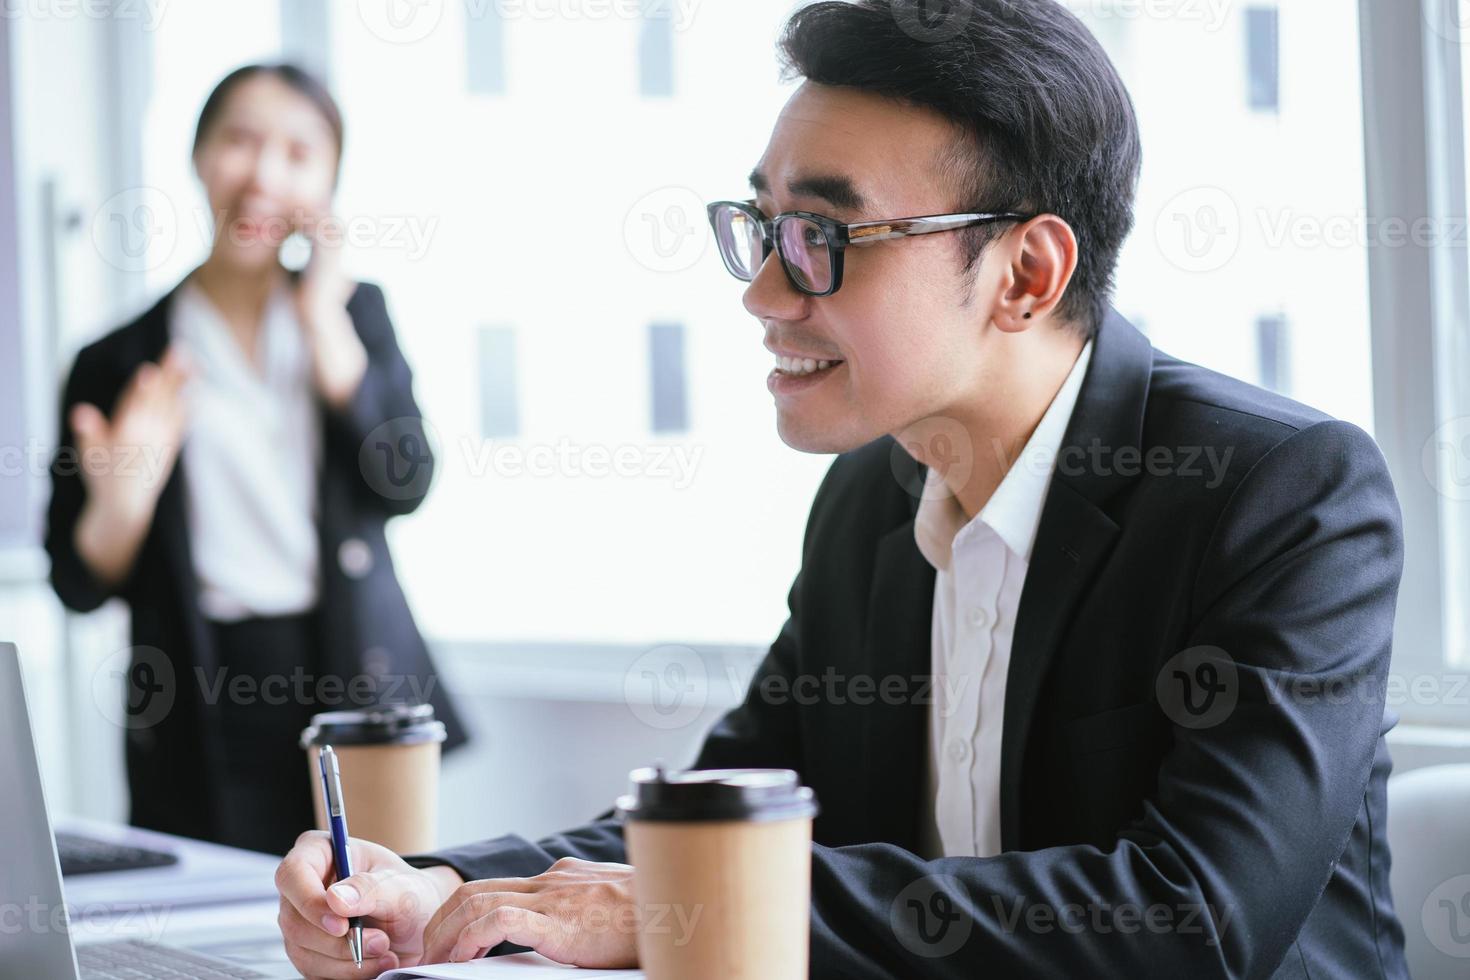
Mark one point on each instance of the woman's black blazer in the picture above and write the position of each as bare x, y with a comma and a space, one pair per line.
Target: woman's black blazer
376, 463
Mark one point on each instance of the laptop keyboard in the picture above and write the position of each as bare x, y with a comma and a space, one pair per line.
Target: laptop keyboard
84, 855
146, 961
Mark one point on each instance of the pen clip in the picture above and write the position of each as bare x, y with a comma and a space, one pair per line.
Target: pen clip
331, 781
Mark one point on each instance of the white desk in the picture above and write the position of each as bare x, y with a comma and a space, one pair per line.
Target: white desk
223, 903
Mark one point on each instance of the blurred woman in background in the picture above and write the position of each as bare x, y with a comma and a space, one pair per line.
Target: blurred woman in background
227, 463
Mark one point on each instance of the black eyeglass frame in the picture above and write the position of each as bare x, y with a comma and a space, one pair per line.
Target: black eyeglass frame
841, 236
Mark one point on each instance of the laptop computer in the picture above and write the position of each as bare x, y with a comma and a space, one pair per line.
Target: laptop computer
84, 855
35, 921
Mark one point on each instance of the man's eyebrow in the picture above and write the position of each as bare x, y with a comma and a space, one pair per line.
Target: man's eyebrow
835, 189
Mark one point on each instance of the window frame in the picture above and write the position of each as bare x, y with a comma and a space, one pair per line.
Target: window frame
1419, 306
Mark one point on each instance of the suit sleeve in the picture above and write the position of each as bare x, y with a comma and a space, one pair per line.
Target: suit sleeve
1251, 813
72, 579
515, 857
382, 423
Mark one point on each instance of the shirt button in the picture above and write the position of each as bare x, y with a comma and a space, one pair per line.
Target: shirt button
355, 558
375, 661
978, 617
959, 749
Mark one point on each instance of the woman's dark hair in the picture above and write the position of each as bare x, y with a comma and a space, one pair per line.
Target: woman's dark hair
1047, 124
297, 78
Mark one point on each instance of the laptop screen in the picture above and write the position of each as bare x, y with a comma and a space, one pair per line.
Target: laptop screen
34, 937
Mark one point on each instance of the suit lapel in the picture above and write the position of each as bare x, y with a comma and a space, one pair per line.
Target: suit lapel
897, 645
1074, 537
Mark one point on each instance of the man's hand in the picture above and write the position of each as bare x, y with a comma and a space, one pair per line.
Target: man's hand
579, 912
396, 901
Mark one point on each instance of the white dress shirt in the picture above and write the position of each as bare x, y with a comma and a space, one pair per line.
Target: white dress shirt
980, 570
251, 457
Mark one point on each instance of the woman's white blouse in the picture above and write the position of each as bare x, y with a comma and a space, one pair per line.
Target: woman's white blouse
251, 458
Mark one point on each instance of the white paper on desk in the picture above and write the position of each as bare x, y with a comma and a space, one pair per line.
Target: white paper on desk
518, 966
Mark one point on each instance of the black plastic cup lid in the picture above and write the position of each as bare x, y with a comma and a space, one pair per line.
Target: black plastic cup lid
389, 724
717, 794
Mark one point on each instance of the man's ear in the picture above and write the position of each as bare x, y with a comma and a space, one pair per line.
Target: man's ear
1041, 257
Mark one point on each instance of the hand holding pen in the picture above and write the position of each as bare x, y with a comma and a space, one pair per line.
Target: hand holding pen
394, 900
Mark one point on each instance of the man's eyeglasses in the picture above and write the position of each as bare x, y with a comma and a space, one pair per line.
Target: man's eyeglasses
811, 245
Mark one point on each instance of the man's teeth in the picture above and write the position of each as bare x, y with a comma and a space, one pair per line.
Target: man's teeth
801, 365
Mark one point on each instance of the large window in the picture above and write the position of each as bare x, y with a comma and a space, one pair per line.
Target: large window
611, 471
1246, 257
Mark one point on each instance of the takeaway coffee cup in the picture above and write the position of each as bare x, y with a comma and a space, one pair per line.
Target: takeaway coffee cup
389, 758
721, 872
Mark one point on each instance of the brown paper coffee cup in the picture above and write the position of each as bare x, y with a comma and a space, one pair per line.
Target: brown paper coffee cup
389, 760
721, 873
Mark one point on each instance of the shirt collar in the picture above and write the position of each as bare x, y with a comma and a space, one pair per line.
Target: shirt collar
202, 328
1013, 511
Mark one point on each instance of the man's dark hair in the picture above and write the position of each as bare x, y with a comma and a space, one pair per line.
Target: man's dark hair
296, 78
1046, 124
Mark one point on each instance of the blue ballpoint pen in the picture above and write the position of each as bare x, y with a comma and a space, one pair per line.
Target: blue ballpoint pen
337, 820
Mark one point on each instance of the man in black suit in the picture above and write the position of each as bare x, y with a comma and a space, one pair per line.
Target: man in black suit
1179, 766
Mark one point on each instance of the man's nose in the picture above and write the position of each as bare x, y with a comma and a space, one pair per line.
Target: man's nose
771, 296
